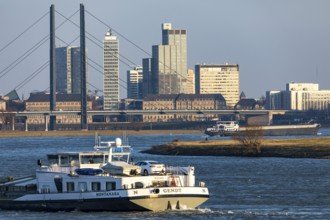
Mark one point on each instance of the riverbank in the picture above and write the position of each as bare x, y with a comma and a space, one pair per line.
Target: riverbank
291, 148
6, 134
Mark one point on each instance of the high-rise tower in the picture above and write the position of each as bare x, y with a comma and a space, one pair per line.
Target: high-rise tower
169, 62
68, 70
111, 72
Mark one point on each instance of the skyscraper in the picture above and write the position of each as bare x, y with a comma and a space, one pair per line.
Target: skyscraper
148, 88
111, 72
134, 83
169, 62
218, 79
68, 70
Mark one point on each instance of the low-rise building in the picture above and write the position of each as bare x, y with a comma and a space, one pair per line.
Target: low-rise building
2, 104
182, 102
248, 104
159, 102
64, 102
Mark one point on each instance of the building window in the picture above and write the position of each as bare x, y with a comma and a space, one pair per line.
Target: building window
70, 186
82, 186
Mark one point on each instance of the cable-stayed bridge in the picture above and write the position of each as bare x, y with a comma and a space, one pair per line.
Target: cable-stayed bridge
49, 63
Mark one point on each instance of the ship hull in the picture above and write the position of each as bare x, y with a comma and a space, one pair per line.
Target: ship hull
275, 130
58, 202
118, 204
289, 130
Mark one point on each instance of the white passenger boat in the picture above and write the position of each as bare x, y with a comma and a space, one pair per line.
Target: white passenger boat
101, 180
223, 128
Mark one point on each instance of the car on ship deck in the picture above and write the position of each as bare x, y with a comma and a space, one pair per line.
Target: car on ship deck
150, 167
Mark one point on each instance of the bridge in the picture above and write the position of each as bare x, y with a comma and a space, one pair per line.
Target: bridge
266, 115
154, 112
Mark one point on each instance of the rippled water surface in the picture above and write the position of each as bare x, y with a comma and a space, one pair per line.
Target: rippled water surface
240, 188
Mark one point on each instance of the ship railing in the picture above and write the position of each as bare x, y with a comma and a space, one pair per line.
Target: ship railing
179, 170
58, 169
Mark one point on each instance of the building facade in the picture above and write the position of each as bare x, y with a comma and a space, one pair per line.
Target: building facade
111, 72
218, 79
64, 102
135, 83
190, 86
68, 70
3, 103
298, 96
274, 100
181, 102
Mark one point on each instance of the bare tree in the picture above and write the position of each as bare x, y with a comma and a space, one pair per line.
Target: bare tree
250, 138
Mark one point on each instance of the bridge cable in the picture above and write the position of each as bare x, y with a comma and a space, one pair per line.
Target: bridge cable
137, 46
27, 29
119, 55
32, 76
94, 63
101, 48
157, 107
22, 57
29, 52
98, 44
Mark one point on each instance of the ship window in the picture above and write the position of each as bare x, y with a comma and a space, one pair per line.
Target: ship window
159, 184
52, 159
110, 186
119, 157
82, 186
64, 160
96, 186
88, 159
73, 159
45, 189
70, 186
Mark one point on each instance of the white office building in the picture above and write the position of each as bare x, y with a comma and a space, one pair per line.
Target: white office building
135, 83
218, 79
298, 96
111, 72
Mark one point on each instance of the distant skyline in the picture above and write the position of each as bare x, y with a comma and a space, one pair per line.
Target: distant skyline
274, 42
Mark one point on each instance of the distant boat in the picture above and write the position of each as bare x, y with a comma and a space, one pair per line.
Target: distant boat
223, 128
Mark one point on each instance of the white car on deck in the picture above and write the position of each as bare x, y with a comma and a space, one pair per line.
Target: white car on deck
150, 167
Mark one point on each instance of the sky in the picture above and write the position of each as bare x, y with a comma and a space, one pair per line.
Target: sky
274, 42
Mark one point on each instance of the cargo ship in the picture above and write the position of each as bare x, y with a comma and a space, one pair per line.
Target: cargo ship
228, 128
101, 180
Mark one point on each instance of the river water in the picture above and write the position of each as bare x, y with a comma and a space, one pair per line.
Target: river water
240, 188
